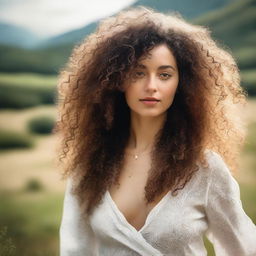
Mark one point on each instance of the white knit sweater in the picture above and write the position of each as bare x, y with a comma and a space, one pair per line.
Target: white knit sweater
209, 204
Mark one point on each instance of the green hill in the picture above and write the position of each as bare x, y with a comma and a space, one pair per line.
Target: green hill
235, 27
188, 9
44, 61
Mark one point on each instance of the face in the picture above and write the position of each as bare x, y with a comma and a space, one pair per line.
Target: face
150, 90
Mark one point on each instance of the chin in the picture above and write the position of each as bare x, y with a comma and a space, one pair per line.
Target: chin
151, 113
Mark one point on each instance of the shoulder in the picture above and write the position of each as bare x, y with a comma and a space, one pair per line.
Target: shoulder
216, 164
220, 179
213, 159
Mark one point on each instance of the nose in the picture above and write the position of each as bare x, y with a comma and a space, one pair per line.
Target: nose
151, 84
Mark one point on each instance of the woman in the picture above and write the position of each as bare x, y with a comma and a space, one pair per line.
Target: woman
148, 136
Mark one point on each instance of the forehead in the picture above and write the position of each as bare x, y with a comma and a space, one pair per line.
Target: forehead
159, 55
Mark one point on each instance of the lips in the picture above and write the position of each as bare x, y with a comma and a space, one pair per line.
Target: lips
150, 99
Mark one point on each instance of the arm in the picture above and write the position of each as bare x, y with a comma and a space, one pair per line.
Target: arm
230, 230
76, 235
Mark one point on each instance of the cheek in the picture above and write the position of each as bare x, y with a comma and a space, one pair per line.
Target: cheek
130, 95
132, 91
169, 92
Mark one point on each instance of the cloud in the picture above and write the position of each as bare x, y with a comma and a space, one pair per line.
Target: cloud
48, 17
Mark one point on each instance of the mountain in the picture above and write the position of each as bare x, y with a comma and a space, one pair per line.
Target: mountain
71, 37
17, 36
188, 9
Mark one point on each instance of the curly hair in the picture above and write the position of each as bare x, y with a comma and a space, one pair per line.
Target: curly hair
94, 121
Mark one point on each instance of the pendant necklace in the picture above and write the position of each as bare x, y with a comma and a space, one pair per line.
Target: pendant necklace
136, 155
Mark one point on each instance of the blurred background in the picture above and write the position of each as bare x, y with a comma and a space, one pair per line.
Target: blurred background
36, 38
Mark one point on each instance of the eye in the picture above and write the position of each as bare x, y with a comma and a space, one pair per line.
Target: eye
164, 76
138, 74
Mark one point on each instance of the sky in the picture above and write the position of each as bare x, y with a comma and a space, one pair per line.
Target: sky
52, 17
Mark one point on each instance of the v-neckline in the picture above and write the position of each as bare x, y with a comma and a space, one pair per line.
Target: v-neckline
149, 217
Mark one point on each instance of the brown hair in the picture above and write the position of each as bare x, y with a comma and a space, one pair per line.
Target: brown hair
94, 116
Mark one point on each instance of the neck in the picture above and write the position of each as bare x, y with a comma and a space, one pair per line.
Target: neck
143, 131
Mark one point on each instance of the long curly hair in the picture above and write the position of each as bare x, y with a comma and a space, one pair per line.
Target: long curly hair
94, 118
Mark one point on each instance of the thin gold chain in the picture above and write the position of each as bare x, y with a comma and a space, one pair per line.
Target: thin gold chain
136, 155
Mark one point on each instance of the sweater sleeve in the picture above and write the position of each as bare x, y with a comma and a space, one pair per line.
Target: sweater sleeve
230, 230
76, 235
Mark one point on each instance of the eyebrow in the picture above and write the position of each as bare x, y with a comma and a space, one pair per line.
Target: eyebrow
160, 67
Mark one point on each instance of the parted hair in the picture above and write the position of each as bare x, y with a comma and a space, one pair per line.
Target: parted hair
94, 118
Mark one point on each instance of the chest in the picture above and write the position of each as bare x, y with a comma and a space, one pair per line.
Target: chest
129, 193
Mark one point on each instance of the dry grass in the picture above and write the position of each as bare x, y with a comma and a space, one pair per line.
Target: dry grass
16, 120
18, 166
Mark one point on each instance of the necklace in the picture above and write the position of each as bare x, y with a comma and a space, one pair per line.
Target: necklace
136, 155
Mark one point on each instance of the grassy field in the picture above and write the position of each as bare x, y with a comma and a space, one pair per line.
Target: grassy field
28, 79
30, 219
